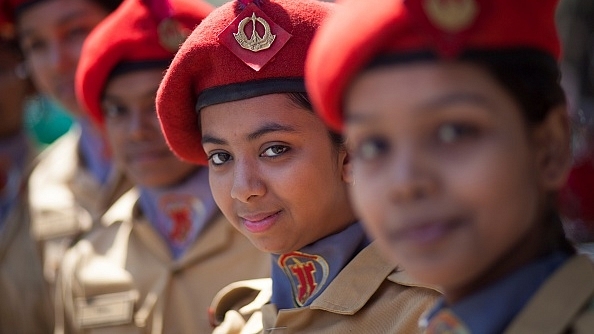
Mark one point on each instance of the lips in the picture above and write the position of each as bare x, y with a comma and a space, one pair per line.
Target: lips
425, 232
149, 156
259, 222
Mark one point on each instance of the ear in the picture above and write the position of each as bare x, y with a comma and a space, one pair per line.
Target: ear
346, 167
553, 139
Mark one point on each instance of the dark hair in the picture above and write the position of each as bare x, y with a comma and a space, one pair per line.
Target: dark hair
532, 77
302, 100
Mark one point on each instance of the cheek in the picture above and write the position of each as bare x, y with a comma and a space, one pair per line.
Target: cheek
501, 190
369, 197
39, 73
116, 141
220, 192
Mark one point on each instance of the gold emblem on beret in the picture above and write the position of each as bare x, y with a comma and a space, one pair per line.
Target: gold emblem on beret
256, 42
172, 34
451, 16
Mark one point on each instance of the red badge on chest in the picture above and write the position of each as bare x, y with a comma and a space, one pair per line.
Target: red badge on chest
253, 37
182, 211
307, 273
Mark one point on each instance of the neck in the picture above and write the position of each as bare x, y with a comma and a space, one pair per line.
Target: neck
527, 249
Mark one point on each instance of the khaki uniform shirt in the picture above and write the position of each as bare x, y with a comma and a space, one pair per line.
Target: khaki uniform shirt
564, 303
368, 296
25, 302
123, 279
66, 200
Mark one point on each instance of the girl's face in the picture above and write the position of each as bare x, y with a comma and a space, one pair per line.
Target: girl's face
52, 33
134, 133
274, 172
447, 175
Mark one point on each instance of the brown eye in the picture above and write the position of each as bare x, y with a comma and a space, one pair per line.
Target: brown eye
275, 151
219, 158
452, 132
370, 149
111, 110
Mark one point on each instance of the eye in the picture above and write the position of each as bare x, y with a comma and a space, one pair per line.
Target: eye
114, 110
452, 132
78, 33
32, 45
370, 149
219, 158
275, 151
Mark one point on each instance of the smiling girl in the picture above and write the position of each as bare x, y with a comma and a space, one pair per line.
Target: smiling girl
234, 99
459, 138
164, 249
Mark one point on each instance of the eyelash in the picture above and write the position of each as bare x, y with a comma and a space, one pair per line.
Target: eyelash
450, 133
371, 148
212, 156
284, 149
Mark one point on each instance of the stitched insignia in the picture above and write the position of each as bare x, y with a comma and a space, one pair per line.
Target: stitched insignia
307, 274
254, 37
451, 16
182, 211
172, 34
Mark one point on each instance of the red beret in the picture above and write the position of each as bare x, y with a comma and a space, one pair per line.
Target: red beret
361, 30
138, 32
223, 61
8, 9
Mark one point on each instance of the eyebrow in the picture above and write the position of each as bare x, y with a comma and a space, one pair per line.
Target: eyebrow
62, 21
439, 102
149, 94
267, 128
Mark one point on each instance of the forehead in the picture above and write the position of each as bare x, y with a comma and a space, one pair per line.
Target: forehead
241, 118
53, 13
135, 83
412, 85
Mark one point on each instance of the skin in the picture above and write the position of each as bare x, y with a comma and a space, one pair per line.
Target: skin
275, 173
134, 134
448, 176
13, 91
51, 34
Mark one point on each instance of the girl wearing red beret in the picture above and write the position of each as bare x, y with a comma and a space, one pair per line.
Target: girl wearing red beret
234, 98
73, 181
164, 249
459, 136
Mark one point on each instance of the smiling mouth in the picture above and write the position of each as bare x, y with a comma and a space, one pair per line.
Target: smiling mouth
260, 222
427, 232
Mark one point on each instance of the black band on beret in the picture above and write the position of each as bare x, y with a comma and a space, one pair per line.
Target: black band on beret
20, 8
522, 55
132, 66
389, 59
246, 90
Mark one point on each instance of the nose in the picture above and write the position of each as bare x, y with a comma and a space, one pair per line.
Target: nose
140, 123
411, 176
247, 182
59, 57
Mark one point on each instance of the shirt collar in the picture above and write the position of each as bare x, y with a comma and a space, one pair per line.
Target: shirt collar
491, 309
